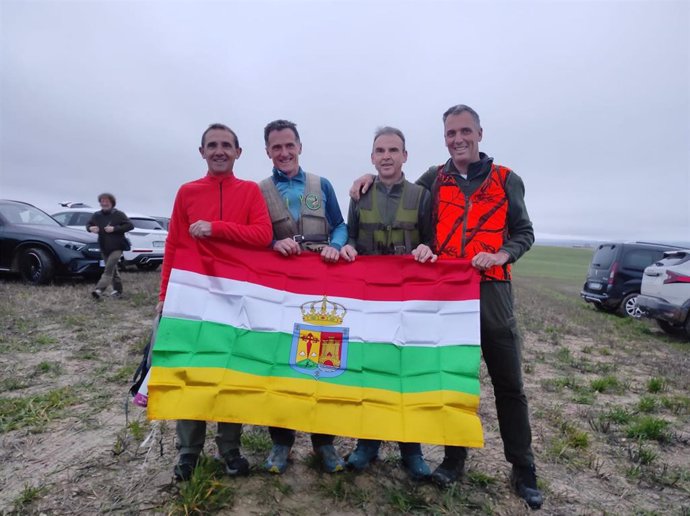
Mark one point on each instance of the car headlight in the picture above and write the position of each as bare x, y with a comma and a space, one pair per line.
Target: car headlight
71, 244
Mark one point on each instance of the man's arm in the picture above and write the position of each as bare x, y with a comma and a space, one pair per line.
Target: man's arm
424, 222
335, 219
352, 223
123, 223
92, 225
426, 180
349, 251
520, 230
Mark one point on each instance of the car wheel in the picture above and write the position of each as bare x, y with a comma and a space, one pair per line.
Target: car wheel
36, 266
147, 266
629, 306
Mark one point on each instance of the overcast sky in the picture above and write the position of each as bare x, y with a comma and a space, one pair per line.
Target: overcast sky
588, 101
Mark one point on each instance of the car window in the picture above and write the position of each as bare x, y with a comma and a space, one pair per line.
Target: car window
145, 223
62, 218
640, 258
81, 219
603, 257
675, 259
26, 214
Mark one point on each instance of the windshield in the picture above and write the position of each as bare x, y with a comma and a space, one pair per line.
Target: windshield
26, 214
675, 258
603, 257
145, 223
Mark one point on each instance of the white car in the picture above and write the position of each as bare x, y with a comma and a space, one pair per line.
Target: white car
147, 237
665, 292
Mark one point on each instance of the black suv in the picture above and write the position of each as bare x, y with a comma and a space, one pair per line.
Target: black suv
615, 275
36, 246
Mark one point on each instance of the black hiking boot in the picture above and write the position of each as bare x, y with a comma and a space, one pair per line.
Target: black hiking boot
185, 467
448, 472
523, 480
235, 464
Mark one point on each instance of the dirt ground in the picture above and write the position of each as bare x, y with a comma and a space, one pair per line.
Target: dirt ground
609, 400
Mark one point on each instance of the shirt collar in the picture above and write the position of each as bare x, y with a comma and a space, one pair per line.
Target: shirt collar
397, 184
280, 176
474, 169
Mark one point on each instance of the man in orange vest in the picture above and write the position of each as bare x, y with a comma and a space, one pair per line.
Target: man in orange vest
479, 214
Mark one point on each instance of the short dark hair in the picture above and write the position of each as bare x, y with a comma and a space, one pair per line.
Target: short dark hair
108, 196
462, 108
390, 130
279, 125
221, 127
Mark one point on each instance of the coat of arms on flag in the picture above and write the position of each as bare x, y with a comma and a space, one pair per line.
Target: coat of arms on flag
320, 349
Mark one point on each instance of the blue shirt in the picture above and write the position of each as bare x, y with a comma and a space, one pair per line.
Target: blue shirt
292, 191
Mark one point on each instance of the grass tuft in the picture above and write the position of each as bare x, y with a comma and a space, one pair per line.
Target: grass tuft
604, 384
647, 404
619, 415
656, 385
204, 493
650, 428
28, 495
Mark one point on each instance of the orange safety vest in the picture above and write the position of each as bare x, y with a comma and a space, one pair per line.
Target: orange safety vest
468, 225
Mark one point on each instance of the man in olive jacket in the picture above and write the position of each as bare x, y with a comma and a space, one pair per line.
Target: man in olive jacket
110, 225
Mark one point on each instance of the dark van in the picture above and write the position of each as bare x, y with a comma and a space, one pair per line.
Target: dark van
615, 275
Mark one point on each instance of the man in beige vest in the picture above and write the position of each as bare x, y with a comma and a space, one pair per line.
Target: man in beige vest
306, 217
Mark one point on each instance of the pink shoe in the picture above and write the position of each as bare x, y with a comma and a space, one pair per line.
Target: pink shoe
140, 400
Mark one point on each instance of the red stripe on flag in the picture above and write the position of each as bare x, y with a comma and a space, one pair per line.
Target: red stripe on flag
371, 278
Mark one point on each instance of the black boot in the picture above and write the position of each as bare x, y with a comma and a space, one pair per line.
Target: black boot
448, 472
185, 467
524, 482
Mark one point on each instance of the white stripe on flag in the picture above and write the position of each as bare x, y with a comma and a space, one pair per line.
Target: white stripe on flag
255, 307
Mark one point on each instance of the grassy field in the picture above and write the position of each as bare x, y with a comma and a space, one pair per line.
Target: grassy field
608, 398
560, 264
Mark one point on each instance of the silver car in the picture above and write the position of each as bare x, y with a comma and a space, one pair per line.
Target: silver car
665, 292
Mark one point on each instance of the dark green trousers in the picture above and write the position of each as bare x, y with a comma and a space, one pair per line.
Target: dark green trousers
192, 434
501, 349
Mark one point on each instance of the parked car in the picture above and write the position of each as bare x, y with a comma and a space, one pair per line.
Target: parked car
665, 293
147, 238
37, 247
163, 221
615, 275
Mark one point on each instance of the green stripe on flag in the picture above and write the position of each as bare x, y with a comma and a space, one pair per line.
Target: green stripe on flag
405, 369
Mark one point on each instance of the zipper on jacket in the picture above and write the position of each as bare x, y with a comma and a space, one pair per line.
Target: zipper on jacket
468, 207
220, 184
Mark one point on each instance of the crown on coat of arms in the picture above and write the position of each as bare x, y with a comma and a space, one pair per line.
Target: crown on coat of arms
329, 314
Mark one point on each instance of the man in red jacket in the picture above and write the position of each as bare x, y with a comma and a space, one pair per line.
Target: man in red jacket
216, 207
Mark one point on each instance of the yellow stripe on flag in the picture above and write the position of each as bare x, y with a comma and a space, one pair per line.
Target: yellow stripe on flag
217, 394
